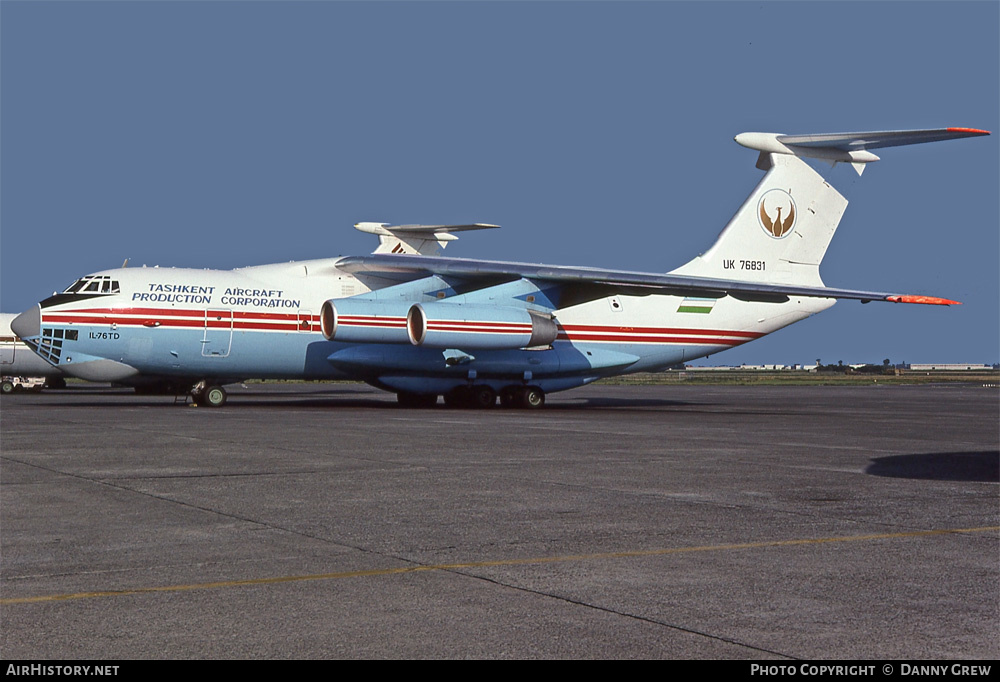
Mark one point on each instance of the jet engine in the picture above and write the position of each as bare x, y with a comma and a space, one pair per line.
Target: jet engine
467, 326
364, 321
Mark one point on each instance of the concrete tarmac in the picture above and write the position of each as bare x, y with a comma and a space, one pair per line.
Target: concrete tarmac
321, 521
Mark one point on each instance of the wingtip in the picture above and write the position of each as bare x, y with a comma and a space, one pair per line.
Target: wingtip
970, 131
924, 300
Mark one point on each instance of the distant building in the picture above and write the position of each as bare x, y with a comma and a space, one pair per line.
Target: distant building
924, 367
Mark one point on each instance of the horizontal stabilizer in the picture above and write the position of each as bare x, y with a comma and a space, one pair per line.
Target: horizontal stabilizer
878, 140
853, 148
416, 239
386, 229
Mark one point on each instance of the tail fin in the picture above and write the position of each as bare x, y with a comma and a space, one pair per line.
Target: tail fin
781, 233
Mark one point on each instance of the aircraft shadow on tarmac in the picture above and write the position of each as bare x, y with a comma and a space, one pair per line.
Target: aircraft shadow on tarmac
341, 398
609, 402
351, 399
125, 397
982, 466
355, 399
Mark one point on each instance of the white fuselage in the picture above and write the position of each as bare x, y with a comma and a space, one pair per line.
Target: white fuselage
264, 322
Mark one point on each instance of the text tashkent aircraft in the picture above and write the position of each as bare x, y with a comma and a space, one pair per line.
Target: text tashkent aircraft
408, 321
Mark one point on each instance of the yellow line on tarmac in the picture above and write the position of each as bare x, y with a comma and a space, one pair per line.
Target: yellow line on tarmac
486, 564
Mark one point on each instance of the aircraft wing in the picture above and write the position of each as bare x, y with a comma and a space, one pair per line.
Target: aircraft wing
599, 282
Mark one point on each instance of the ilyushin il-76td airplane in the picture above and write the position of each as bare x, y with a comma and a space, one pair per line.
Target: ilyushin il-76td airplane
407, 320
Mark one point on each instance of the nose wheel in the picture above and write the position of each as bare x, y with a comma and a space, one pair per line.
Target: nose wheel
209, 396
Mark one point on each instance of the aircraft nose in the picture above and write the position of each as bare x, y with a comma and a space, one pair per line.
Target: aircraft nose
28, 324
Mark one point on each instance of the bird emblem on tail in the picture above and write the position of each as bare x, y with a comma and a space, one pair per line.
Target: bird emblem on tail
777, 201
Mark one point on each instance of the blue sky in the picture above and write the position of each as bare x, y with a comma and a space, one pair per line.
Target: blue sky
223, 134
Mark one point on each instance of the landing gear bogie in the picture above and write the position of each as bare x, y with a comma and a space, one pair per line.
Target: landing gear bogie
480, 397
484, 397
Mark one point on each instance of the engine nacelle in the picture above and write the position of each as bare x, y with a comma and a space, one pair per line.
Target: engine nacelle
364, 321
465, 326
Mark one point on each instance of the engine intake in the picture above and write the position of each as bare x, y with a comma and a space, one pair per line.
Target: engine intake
364, 321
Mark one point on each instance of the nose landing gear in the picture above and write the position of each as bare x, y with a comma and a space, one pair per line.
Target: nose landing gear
209, 395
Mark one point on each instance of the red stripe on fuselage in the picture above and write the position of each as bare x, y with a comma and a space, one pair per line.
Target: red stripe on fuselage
633, 338
173, 312
392, 324
254, 321
479, 323
591, 328
190, 319
492, 329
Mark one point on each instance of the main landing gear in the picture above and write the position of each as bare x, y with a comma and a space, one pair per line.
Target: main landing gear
478, 397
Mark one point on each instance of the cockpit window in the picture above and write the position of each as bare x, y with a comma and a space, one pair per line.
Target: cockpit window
96, 284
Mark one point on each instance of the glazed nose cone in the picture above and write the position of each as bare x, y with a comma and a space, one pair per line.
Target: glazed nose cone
28, 324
